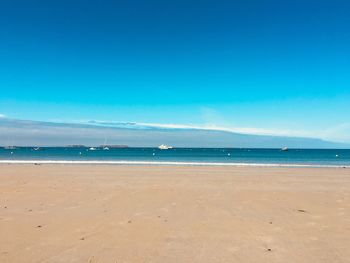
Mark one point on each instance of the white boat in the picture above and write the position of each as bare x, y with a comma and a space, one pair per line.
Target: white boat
164, 147
36, 148
284, 149
92, 149
105, 147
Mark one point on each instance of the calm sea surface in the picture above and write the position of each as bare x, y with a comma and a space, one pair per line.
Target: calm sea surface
182, 155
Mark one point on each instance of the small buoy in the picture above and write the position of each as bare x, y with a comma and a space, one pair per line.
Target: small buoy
229, 154
336, 155
79, 153
11, 152
153, 154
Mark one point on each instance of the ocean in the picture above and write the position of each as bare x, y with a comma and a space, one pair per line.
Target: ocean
184, 156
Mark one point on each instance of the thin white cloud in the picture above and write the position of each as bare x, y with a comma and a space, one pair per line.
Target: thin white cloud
245, 130
2, 115
21, 132
211, 127
338, 133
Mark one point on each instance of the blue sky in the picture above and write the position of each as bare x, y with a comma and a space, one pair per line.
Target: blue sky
279, 67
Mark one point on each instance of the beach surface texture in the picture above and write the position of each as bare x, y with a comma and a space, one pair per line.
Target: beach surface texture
119, 213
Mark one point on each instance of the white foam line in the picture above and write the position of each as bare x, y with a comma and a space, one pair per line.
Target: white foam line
169, 163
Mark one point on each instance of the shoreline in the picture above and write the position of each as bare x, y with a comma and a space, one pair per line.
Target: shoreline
167, 163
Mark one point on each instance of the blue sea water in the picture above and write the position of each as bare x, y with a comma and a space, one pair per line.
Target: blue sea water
227, 156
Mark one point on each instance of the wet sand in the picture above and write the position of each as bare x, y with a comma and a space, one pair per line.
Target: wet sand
111, 213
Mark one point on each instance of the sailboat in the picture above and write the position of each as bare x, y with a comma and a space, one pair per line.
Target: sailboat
284, 149
105, 148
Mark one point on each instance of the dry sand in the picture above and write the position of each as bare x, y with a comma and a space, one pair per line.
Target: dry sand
101, 213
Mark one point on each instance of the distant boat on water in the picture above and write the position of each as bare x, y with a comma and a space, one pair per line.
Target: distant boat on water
108, 147
285, 149
104, 146
164, 147
92, 149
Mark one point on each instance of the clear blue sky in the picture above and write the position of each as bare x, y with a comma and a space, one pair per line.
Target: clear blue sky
274, 65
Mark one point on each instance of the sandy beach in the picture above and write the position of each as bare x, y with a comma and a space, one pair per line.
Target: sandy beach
111, 213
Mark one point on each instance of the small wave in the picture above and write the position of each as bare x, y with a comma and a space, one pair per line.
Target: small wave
171, 163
